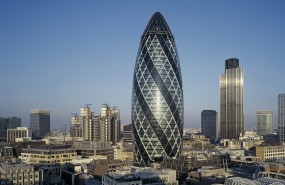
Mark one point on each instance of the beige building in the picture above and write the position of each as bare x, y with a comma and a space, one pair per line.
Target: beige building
16, 134
270, 153
19, 173
51, 157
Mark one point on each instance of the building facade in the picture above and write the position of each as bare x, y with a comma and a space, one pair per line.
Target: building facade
76, 128
52, 157
157, 95
281, 118
20, 173
101, 127
128, 133
231, 100
270, 153
209, 123
17, 133
8, 123
39, 123
264, 122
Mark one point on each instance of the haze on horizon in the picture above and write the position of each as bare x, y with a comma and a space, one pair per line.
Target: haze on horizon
61, 55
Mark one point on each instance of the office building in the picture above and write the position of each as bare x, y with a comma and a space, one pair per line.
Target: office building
209, 123
20, 173
7, 123
39, 123
17, 134
76, 128
231, 100
157, 95
128, 133
281, 118
264, 122
100, 127
270, 153
115, 126
50, 157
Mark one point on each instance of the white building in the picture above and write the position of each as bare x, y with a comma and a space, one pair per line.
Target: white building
17, 134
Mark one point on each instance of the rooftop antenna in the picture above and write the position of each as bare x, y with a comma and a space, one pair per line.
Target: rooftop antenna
106, 105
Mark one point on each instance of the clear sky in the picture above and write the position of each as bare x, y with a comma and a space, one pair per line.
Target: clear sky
59, 55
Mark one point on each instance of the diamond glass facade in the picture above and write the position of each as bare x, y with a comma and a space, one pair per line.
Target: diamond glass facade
157, 98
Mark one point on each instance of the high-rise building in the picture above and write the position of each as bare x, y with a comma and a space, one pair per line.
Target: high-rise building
157, 97
209, 123
281, 118
100, 127
264, 122
115, 126
76, 128
39, 123
85, 115
231, 100
128, 133
6, 123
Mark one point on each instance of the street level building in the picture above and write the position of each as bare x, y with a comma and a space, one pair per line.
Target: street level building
20, 173
157, 95
231, 100
209, 123
39, 123
264, 122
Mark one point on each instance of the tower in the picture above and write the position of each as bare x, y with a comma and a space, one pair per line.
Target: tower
264, 122
39, 123
157, 95
281, 118
209, 123
231, 100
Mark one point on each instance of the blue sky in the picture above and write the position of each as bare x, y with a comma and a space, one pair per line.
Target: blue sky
59, 55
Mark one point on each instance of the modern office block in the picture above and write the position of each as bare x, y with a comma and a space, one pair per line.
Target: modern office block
264, 122
128, 133
231, 100
209, 123
7, 123
157, 95
39, 123
281, 118
17, 134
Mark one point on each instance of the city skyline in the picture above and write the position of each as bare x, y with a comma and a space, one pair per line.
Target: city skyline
59, 56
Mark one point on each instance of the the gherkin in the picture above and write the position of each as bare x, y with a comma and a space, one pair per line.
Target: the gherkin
157, 97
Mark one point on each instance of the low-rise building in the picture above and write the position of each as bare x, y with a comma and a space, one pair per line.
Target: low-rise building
17, 134
20, 173
270, 153
51, 157
91, 148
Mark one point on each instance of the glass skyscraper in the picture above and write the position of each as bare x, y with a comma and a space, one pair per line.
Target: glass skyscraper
39, 123
281, 118
157, 97
231, 100
264, 122
209, 123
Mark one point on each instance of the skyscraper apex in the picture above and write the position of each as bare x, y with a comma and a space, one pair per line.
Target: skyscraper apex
157, 98
157, 24
231, 63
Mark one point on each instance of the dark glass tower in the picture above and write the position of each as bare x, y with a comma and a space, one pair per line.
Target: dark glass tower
231, 100
157, 98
